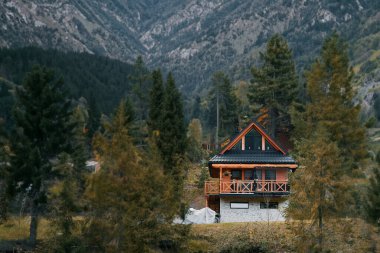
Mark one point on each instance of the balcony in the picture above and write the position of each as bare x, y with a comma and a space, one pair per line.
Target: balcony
246, 187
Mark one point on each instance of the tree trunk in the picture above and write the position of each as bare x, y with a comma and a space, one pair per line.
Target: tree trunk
273, 119
217, 121
33, 223
320, 236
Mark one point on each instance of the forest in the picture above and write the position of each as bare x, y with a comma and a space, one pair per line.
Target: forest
59, 110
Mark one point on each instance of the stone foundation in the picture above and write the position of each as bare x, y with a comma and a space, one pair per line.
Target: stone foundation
253, 212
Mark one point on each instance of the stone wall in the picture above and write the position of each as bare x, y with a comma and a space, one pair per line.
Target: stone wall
253, 213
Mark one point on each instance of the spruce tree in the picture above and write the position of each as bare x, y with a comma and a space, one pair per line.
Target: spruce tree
274, 84
43, 130
130, 198
373, 202
156, 102
223, 114
330, 147
331, 103
172, 136
4, 171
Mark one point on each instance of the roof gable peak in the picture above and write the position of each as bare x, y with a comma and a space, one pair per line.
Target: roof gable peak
266, 138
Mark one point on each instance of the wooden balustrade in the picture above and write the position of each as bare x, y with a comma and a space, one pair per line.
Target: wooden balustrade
212, 187
246, 186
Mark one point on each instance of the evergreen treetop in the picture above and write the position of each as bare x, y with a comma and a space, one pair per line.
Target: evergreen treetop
274, 83
156, 101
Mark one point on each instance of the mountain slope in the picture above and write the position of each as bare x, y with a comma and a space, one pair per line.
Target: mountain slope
194, 38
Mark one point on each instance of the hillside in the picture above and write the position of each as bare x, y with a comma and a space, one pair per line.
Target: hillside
100, 80
194, 37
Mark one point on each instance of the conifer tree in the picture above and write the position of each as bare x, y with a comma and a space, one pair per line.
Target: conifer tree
130, 197
331, 103
64, 202
156, 102
140, 98
4, 171
373, 202
194, 136
43, 130
223, 106
274, 84
172, 138
330, 147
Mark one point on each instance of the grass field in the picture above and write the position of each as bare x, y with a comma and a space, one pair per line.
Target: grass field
355, 236
17, 228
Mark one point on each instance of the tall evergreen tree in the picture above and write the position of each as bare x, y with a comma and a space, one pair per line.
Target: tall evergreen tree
156, 102
130, 198
140, 98
330, 148
331, 103
373, 202
4, 170
274, 84
43, 130
172, 138
223, 113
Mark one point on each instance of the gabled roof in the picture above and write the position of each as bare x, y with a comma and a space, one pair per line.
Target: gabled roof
229, 156
252, 157
253, 125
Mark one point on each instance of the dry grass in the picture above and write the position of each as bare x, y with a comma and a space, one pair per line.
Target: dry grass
346, 235
16, 228
273, 237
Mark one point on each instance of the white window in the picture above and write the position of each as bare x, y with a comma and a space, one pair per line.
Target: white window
239, 205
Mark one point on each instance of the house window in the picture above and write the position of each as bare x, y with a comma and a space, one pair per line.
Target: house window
248, 175
236, 174
253, 140
268, 205
268, 147
270, 174
239, 205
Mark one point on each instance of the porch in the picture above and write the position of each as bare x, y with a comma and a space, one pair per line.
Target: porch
216, 187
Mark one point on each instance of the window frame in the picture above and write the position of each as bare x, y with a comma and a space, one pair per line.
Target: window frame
231, 203
269, 205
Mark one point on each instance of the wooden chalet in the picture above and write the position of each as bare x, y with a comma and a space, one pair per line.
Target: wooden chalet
249, 177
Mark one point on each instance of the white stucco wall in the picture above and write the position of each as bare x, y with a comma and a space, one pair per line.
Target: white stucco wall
253, 213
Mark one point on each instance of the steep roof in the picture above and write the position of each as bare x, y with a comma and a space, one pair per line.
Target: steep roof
277, 155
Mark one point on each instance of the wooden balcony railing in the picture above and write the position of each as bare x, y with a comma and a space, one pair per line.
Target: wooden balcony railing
246, 186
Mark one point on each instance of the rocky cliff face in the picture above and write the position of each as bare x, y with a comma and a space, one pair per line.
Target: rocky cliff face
193, 38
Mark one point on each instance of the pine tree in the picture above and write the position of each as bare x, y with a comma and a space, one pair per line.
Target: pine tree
373, 202
42, 131
331, 103
194, 136
130, 197
223, 106
156, 102
172, 138
64, 201
330, 147
319, 190
4, 171
274, 84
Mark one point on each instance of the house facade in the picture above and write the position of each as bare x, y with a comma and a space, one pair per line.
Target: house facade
249, 178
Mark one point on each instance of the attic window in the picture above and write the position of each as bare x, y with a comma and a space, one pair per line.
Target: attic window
253, 140
268, 147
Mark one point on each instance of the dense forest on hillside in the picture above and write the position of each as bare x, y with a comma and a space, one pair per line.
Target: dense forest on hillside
141, 125
100, 80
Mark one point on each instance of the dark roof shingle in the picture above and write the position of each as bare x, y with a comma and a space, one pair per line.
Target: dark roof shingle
247, 158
